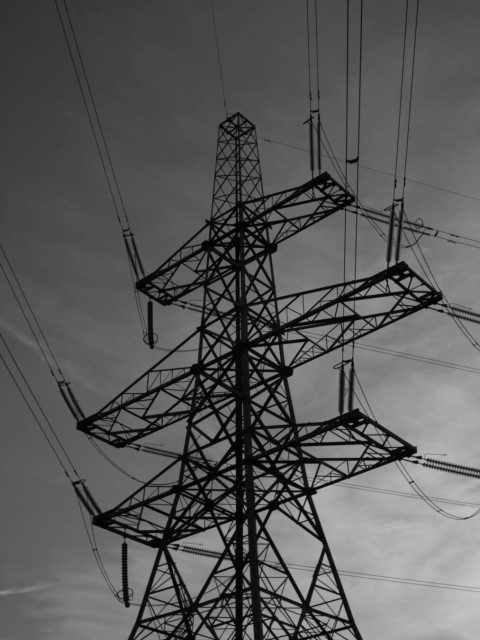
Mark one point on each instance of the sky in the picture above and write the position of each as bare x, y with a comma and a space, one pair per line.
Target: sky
154, 73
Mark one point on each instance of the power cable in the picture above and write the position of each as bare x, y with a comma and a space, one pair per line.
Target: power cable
96, 553
55, 444
397, 151
347, 82
102, 148
412, 75
219, 58
32, 411
427, 500
34, 317
25, 399
357, 185
431, 278
94, 121
210, 553
319, 118
309, 65
403, 494
385, 173
412, 356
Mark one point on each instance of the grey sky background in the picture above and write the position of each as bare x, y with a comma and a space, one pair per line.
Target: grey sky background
153, 70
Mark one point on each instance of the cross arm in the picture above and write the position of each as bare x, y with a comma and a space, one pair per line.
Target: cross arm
268, 220
348, 311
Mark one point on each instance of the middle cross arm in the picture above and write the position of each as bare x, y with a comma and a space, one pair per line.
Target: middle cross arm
347, 311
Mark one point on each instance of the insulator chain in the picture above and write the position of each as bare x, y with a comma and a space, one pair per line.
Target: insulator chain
70, 400
164, 452
198, 551
449, 467
86, 498
126, 594
133, 255
462, 313
150, 338
348, 381
395, 218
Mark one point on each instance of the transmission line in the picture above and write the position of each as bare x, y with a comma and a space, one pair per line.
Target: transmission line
135, 263
385, 173
50, 442
210, 553
219, 59
427, 500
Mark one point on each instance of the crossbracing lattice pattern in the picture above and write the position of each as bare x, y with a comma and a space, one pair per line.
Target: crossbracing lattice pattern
244, 482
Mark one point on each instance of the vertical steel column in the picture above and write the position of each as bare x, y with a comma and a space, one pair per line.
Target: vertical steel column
243, 416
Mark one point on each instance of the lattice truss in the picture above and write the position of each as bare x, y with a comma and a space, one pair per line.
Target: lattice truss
248, 471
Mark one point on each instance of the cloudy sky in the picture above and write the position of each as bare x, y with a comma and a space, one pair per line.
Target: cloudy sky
153, 70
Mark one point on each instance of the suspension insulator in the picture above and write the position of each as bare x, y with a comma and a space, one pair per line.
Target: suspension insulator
91, 499
70, 400
125, 589
310, 136
150, 333
75, 403
319, 144
341, 389
351, 387
133, 255
86, 498
137, 256
450, 467
391, 228
399, 232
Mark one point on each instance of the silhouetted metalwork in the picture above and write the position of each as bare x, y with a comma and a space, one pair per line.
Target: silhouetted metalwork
248, 470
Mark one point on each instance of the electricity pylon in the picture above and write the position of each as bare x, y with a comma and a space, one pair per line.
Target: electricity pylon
248, 472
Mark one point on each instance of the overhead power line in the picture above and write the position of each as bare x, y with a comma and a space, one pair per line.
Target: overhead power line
376, 170
219, 58
52, 440
210, 553
134, 260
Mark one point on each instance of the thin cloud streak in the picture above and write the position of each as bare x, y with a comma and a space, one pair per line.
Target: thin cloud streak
14, 591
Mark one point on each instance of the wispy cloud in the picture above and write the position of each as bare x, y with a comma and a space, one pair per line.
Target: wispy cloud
14, 591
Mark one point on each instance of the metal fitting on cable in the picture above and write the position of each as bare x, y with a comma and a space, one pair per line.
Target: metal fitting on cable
86, 498
391, 228
399, 230
341, 389
133, 255
70, 400
351, 386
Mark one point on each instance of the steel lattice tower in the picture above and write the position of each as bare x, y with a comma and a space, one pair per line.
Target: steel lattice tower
248, 472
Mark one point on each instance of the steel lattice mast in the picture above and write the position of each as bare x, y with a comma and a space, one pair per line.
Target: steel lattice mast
248, 472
